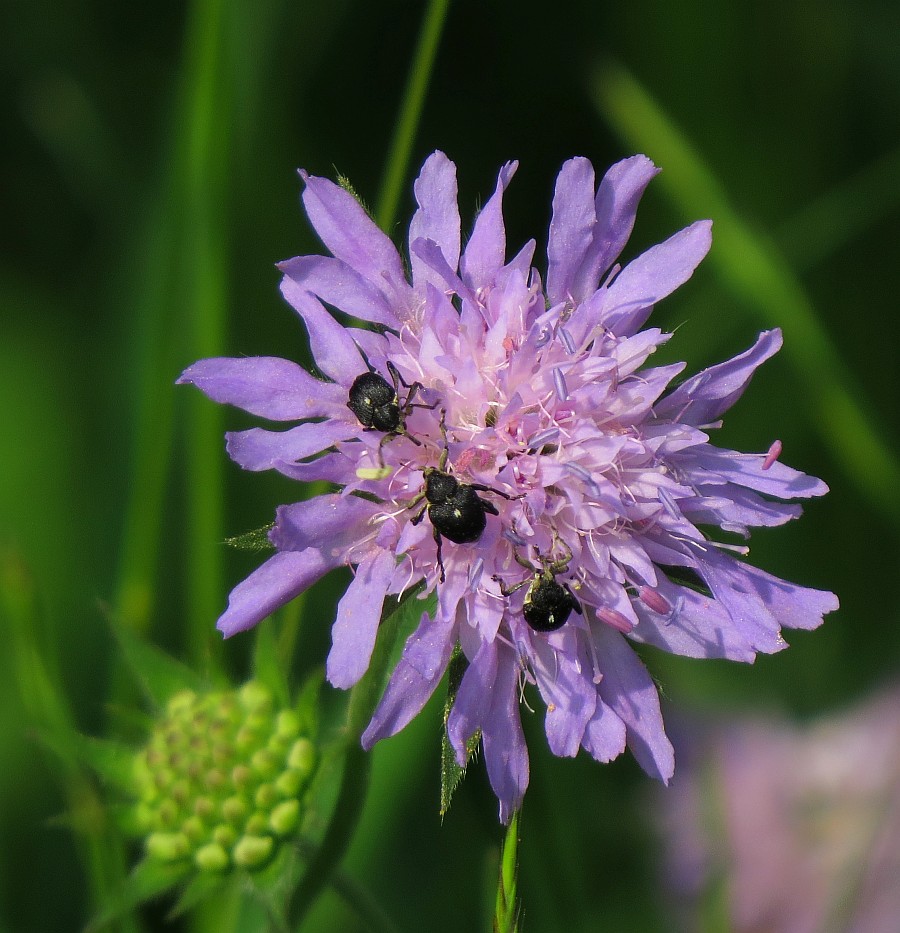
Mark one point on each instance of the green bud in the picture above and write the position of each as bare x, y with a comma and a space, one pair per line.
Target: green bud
241, 775
264, 763
204, 807
219, 780
254, 697
258, 823
168, 847
287, 724
253, 851
265, 796
284, 818
302, 756
289, 782
193, 828
234, 809
225, 836
211, 857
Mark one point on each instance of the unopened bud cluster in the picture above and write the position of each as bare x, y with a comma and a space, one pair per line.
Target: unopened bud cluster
221, 779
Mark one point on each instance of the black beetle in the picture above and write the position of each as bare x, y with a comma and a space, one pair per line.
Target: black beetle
455, 509
376, 403
548, 603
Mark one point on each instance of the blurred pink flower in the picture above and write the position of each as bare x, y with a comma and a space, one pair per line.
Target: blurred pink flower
801, 825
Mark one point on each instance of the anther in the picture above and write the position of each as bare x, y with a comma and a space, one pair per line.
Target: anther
773, 454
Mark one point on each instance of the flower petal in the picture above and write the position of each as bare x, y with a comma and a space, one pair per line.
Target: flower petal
332, 347
630, 693
709, 465
652, 276
731, 583
793, 606
505, 751
331, 522
257, 449
567, 690
354, 238
340, 286
356, 626
485, 252
333, 467
408, 690
604, 736
703, 398
616, 206
437, 218
266, 386
572, 227
697, 627
270, 586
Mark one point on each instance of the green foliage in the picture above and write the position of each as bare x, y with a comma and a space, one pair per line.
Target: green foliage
159, 675
451, 772
256, 541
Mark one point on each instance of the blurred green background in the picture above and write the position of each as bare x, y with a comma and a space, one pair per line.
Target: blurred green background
149, 187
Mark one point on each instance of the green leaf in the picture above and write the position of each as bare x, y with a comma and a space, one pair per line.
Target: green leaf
112, 762
158, 674
256, 540
451, 773
149, 880
267, 666
200, 888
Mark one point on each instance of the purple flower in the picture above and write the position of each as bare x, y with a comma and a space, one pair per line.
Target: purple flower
591, 474
801, 822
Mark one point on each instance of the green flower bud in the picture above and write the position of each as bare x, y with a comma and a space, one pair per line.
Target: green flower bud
225, 836
218, 783
284, 818
302, 756
168, 847
265, 797
258, 823
289, 782
253, 851
211, 857
287, 724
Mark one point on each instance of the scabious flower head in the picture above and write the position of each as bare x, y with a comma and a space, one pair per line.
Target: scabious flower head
580, 474
221, 779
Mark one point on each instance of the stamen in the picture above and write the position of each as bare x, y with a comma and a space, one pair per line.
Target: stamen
773, 454
616, 619
584, 476
654, 600
514, 538
559, 380
543, 437
566, 339
668, 504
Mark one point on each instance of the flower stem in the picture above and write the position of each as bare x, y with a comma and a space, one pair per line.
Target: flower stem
410, 114
506, 911
355, 777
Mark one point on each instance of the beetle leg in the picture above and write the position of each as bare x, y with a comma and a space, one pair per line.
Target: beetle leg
497, 492
440, 561
509, 590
